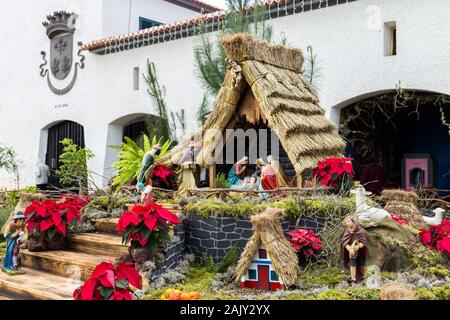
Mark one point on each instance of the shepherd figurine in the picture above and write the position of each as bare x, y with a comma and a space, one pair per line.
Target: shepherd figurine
354, 252
15, 236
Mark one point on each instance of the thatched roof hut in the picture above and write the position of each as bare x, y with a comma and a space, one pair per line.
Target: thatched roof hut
268, 231
265, 83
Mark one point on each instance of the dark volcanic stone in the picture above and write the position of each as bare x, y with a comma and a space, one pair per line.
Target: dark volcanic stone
229, 228
198, 233
233, 236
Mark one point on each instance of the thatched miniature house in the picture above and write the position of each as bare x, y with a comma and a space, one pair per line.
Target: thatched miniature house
268, 260
264, 88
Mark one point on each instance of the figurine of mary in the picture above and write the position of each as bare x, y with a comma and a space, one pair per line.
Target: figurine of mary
236, 174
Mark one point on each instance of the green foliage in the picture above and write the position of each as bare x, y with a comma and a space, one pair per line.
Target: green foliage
333, 294
221, 181
160, 126
214, 207
13, 196
109, 202
342, 206
210, 58
10, 163
5, 212
203, 110
73, 163
329, 277
312, 70
229, 259
131, 155
291, 207
436, 293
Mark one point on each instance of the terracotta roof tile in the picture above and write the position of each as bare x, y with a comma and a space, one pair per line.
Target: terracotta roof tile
213, 16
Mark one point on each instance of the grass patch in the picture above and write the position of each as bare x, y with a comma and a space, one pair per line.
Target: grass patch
294, 207
329, 277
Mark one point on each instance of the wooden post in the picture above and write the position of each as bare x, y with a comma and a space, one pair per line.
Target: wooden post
299, 181
212, 176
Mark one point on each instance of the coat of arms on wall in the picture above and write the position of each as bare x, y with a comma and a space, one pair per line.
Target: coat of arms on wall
60, 30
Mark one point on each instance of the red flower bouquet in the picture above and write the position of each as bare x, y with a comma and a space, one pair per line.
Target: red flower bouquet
305, 241
49, 218
437, 237
110, 282
336, 173
145, 226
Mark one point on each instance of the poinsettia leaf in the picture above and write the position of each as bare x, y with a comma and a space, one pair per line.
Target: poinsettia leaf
50, 234
106, 292
145, 233
121, 284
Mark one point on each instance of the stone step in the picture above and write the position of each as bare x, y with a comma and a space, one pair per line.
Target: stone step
97, 243
107, 225
63, 262
36, 285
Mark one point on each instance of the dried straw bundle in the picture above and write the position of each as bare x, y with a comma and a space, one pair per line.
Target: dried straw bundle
267, 227
241, 47
403, 204
396, 291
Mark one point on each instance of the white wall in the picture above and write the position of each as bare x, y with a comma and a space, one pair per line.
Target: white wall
351, 58
120, 18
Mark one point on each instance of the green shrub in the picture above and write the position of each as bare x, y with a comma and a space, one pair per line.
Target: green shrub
229, 259
109, 202
424, 294
4, 214
333, 294
329, 277
221, 181
363, 293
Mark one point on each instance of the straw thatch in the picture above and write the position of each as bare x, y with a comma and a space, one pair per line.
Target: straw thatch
286, 100
267, 229
403, 204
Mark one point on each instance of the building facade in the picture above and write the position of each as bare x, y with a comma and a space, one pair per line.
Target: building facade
365, 47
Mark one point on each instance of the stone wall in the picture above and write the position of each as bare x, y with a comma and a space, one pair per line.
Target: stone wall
214, 236
174, 252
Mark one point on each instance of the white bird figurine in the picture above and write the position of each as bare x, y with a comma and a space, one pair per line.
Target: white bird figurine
365, 212
437, 219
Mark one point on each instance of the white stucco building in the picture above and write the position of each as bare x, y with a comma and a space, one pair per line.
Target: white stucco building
353, 40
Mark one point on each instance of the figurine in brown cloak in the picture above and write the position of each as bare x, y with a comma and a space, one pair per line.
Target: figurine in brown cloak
354, 251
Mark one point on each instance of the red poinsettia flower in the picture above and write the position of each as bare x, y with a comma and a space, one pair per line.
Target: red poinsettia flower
49, 215
437, 237
398, 220
443, 245
162, 173
330, 171
145, 222
306, 241
110, 282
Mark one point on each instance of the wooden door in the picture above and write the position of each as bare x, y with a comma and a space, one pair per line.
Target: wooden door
263, 277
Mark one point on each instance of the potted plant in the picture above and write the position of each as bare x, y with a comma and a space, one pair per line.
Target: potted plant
144, 227
48, 221
110, 282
